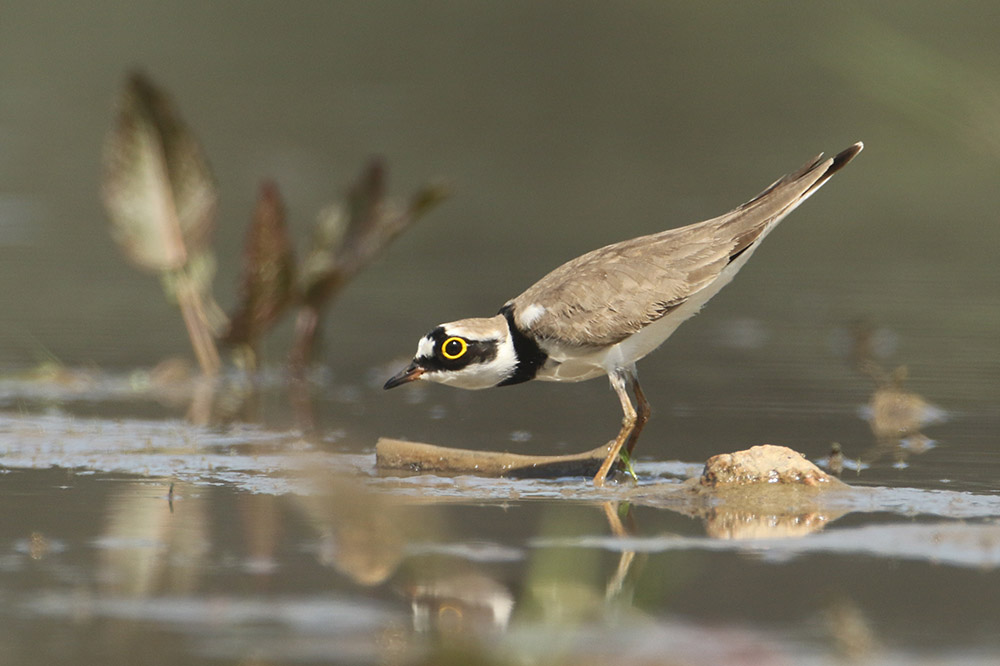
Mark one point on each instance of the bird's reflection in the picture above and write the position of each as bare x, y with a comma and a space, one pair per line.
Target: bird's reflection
622, 524
468, 602
363, 535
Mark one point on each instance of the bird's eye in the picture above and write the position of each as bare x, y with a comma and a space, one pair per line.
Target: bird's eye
454, 348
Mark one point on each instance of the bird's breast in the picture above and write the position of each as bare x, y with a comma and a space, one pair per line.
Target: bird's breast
569, 371
572, 364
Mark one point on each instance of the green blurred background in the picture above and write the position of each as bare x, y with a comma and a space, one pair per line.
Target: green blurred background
559, 126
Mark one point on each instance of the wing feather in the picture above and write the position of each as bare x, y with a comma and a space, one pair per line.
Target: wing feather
606, 295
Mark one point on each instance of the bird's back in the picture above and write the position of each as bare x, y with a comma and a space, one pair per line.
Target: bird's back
607, 295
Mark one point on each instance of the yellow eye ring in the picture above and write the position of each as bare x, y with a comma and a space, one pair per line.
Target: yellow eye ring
454, 348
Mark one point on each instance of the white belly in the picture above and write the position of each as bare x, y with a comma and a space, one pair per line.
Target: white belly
571, 366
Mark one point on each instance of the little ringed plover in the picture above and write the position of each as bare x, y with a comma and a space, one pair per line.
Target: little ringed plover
600, 313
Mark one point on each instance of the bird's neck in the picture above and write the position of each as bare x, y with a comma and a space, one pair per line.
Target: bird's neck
530, 357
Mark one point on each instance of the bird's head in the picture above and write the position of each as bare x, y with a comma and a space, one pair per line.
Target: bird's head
470, 354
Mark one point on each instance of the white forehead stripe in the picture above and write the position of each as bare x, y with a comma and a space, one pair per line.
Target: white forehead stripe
425, 348
493, 328
531, 314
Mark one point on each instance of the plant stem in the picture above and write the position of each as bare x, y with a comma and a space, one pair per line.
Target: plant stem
193, 310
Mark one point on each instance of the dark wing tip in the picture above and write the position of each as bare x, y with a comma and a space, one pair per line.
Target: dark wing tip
845, 156
838, 162
834, 165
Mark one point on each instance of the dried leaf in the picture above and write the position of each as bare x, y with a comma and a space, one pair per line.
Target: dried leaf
423, 201
345, 241
342, 248
344, 234
320, 262
365, 201
267, 284
158, 189
426, 198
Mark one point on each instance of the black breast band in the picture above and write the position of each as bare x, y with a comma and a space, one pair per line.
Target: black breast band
530, 356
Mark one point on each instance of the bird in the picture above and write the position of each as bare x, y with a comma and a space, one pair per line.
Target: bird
602, 312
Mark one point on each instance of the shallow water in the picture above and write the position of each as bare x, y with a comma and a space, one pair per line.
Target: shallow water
130, 535
234, 543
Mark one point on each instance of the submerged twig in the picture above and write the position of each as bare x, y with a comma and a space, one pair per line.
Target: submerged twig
417, 457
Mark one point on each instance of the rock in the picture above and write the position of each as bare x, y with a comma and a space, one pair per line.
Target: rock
764, 464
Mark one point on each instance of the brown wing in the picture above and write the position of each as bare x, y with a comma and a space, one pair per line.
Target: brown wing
606, 295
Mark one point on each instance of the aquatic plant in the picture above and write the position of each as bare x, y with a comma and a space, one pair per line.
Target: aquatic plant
161, 198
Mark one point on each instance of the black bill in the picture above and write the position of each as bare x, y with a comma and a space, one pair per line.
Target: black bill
406, 375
